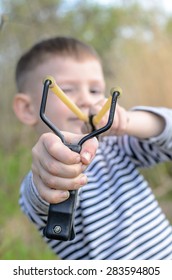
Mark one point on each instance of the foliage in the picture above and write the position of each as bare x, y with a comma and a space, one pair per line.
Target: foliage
118, 33
19, 239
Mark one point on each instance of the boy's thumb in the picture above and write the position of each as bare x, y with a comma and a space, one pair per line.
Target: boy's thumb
88, 150
89, 147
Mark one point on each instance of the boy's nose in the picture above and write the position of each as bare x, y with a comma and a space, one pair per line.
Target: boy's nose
84, 99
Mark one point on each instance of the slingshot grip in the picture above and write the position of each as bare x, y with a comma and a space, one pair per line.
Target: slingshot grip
60, 222
60, 219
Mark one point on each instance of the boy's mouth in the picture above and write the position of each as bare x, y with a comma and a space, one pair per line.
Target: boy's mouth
76, 120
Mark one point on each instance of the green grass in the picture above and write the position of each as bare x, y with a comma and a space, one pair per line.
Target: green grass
19, 237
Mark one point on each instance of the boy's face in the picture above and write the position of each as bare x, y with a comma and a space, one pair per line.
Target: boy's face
82, 81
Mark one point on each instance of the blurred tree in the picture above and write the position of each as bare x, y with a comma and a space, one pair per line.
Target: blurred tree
118, 33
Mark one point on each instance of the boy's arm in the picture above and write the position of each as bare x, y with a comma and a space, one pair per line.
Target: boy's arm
151, 146
160, 129
144, 123
141, 122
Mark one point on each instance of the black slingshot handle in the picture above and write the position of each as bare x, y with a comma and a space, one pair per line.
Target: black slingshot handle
60, 222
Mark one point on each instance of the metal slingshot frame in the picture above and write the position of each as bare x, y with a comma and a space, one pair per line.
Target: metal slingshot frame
60, 222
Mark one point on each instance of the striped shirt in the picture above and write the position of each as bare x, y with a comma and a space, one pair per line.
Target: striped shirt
117, 215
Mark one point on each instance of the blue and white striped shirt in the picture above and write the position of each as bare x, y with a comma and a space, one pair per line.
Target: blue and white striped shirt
117, 215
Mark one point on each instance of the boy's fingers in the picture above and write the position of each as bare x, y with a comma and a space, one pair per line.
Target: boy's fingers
58, 150
61, 183
50, 195
88, 151
52, 156
62, 153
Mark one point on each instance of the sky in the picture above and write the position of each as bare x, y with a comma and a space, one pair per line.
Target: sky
166, 5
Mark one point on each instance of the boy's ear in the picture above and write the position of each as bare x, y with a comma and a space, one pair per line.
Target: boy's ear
24, 109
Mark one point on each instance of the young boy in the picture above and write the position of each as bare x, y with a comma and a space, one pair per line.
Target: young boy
117, 215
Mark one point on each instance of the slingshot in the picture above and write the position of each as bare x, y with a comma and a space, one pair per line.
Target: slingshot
60, 222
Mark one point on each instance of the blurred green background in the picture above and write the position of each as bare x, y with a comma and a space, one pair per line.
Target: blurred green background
135, 44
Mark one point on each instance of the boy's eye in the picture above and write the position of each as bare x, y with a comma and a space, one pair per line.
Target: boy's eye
95, 91
67, 89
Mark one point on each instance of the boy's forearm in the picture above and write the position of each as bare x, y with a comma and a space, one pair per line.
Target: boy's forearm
144, 124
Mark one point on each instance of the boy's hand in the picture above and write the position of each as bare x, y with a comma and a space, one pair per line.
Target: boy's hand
120, 123
56, 169
119, 126
138, 123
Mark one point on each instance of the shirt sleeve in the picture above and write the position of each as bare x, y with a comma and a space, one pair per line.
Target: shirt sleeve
31, 203
148, 152
165, 138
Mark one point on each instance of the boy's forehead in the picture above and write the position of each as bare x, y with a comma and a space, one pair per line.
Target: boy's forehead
59, 62
64, 70
56, 66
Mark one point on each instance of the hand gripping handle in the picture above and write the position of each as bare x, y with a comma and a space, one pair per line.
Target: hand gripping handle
60, 222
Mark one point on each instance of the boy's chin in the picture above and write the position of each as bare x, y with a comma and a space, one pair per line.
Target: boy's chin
77, 131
